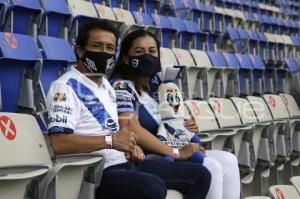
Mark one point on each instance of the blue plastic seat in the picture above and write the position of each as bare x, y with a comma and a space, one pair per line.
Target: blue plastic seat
136, 5
55, 21
219, 21
3, 6
204, 16
240, 44
258, 75
57, 53
245, 75
253, 42
19, 55
200, 40
168, 33
22, 17
152, 6
262, 50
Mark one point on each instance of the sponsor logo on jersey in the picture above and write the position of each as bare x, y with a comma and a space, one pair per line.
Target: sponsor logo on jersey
59, 119
111, 125
61, 109
119, 85
60, 97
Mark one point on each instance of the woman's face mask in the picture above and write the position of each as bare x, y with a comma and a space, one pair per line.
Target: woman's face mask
144, 65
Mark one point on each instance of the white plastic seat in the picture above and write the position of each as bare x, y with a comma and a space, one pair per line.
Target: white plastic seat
295, 180
261, 154
258, 197
105, 12
284, 191
82, 8
208, 127
24, 156
173, 194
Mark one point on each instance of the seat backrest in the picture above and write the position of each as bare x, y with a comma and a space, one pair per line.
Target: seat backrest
105, 12
202, 114
21, 141
201, 58
124, 16
18, 52
231, 60
184, 57
245, 110
260, 108
142, 18
82, 8
291, 105
284, 191
167, 57
217, 59
225, 112
295, 180
57, 54
276, 106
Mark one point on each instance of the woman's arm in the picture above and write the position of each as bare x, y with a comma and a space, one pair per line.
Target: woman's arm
148, 141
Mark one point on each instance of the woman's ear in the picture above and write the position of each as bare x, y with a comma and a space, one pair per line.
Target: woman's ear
79, 52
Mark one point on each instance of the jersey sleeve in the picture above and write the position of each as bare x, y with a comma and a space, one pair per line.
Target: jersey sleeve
126, 97
63, 109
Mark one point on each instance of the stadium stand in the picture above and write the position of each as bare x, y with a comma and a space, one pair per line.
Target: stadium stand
237, 62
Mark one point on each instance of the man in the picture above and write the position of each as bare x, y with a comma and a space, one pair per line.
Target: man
83, 118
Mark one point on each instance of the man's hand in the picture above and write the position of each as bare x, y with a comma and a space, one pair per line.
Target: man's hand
187, 151
191, 125
124, 140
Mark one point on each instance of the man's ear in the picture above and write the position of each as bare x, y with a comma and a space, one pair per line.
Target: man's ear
79, 52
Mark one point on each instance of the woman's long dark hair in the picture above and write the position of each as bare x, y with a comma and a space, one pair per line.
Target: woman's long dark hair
121, 69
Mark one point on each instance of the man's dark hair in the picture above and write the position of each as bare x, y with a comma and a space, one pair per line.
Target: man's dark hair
93, 24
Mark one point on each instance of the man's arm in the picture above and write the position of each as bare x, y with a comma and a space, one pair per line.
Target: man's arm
66, 143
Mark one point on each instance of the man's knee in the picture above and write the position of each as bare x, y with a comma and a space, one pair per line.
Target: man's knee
154, 187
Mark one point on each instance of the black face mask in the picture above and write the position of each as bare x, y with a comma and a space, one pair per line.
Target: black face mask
98, 62
145, 65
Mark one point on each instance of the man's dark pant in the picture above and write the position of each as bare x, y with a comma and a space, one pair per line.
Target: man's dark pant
152, 178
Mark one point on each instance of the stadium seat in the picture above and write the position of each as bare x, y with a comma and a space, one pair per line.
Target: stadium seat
136, 5
258, 197
284, 191
21, 60
170, 67
253, 42
81, 12
29, 159
289, 53
245, 75
22, 17
262, 48
219, 61
168, 33
219, 20
259, 155
56, 19
189, 74
233, 80
262, 170
105, 12
57, 53
209, 131
3, 6
228, 118
204, 17
258, 75
239, 44
295, 180
281, 136
199, 39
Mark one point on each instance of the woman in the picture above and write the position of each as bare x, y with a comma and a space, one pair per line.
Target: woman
137, 63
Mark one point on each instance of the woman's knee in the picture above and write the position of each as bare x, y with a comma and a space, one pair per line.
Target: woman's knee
213, 166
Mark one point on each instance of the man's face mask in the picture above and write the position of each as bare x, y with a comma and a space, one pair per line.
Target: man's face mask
98, 62
145, 65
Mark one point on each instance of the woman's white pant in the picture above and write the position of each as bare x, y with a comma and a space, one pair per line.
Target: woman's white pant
225, 182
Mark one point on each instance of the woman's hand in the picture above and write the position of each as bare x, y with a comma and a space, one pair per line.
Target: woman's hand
136, 155
187, 151
191, 125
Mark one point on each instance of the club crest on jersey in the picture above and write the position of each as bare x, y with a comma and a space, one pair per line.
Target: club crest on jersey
119, 85
60, 97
